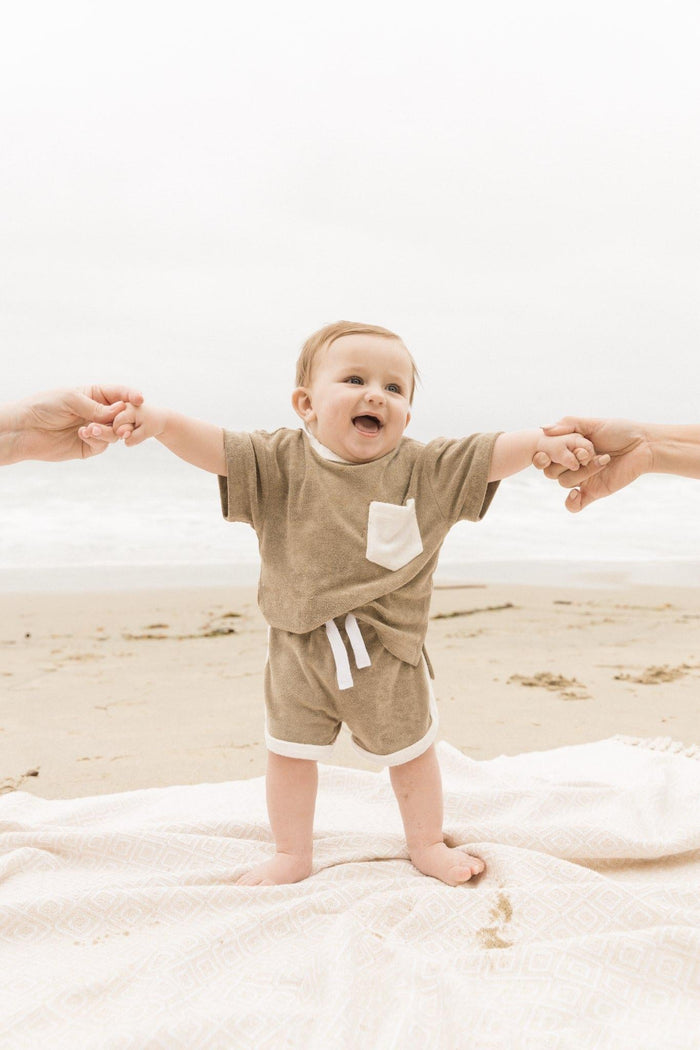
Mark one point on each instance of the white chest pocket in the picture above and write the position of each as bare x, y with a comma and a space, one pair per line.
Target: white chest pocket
393, 536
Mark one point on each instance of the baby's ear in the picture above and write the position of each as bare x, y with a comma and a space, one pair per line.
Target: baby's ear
301, 403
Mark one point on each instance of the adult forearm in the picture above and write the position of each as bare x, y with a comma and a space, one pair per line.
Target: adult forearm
675, 449
10, 434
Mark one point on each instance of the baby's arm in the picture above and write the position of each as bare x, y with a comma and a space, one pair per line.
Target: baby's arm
513, 452
193, 440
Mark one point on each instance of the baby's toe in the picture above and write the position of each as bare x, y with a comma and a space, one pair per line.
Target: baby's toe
474, 865
249, 879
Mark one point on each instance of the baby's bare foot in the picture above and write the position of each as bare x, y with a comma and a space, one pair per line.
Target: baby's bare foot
283, 868
452, 866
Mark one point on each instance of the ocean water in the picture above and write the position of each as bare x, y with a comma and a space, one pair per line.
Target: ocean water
142, 518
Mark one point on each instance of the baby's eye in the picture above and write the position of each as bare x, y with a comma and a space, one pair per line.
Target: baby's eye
394, 388
354, 379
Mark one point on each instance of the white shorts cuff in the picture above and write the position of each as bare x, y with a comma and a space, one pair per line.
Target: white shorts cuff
290, 749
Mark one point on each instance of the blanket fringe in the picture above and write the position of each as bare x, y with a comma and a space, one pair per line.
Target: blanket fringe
661, 743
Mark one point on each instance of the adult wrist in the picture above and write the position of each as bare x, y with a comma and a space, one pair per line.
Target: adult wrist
656, 441
674, 449
13, 417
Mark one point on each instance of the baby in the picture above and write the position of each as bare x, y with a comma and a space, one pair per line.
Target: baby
350, 516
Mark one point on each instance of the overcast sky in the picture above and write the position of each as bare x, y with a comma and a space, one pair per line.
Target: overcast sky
189, 189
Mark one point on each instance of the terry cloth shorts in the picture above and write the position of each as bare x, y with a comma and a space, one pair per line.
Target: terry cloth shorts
311, 689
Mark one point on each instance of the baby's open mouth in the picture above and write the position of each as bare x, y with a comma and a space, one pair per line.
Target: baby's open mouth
367, 424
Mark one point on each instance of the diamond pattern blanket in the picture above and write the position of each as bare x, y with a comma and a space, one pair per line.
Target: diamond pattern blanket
120, 926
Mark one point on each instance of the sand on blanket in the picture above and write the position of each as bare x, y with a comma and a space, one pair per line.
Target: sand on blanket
121, 927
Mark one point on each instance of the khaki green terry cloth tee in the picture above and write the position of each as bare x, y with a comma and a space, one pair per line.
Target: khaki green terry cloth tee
338, 538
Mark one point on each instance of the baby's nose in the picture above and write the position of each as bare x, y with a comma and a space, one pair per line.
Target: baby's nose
374, 394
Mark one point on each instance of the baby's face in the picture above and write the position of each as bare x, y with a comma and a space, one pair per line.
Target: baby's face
357, 403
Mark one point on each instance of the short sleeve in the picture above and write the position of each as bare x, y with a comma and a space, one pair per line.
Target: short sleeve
458, 472
240, 489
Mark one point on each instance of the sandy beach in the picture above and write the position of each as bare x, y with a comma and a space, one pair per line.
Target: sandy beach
109, 692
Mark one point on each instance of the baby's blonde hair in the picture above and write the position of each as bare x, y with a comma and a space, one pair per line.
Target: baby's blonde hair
329, 333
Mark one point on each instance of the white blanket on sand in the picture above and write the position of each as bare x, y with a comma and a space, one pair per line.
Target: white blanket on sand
120, 926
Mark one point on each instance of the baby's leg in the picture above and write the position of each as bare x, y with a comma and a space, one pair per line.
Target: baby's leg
418, 788
291, 799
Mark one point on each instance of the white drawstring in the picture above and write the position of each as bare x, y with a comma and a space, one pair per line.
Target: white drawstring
340, 656
342, 664
357, 642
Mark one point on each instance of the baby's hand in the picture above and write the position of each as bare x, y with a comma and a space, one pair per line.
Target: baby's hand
133, 424
137, 423
569, 450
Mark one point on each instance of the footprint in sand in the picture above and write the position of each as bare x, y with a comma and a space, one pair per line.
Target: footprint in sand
568, 688
657, 675
209, 630
15, 784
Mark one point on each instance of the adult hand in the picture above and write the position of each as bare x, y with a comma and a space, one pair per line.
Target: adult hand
45, 426
624, 453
